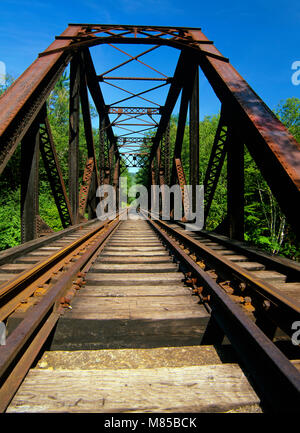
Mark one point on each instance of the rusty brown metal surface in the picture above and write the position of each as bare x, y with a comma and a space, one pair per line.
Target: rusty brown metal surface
15, 378
52, 167
85, 186
19, 92
20, 104
182, 183
274, 133
271, 145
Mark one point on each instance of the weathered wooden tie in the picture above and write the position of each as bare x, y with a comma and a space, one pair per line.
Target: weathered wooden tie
131, 342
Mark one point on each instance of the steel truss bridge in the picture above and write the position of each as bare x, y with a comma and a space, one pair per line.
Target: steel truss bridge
145, 283
144, 139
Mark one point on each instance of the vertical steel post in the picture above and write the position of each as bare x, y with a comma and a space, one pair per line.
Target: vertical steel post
111, 162
167, 160
30, 183
74, 137
235, 186
183, 110
116, 180
194, 138
102, 145
92, 200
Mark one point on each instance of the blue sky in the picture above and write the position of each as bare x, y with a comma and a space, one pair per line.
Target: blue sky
261, 38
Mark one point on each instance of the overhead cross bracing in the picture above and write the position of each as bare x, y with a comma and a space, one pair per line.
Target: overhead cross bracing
134, 120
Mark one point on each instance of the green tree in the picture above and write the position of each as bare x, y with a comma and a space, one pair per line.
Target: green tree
288, 112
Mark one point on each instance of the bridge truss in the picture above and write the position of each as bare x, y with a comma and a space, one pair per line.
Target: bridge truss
144, 140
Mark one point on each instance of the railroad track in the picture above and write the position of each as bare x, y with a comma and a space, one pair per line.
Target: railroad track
267, 287
126, 319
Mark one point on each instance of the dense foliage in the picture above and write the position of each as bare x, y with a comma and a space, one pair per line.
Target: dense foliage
58, 114
265, 224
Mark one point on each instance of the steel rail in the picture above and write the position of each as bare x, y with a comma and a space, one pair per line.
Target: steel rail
283, 309
40, 281
274, 377
25, 342
7, 256
282, 264
27, 276
13, 292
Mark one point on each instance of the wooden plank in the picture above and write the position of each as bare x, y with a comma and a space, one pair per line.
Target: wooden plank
135, 267
252, 266
134, 259
112, 253
6, 277
292, 290
213, 388
39, 253
226, 252
116, 291
14, 268
127, 234
283, 264
270, 276
134, 358
129, 243
127, 279
291, 287
131, 307
31, 260
117, 249
237, 258
92, 334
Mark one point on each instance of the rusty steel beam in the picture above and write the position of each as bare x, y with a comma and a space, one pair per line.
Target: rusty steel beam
273, 148
115, 181
136, 95
133, 110
30, 183
51, 164
194, 139
103, 149
130, 60
74, 137
85, 186
165, 155
215, 163
42, 228
86, 115
135, 139
103, 78
97, 96
183, 64
117, 39
182, 182
92, 199
184, 104
21, 103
